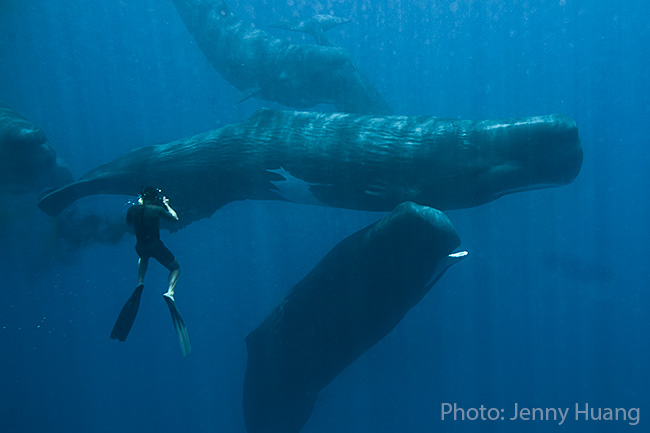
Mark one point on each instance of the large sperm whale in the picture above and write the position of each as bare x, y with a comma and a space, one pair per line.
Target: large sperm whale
351, 299
263, 66
28, 162
342, 160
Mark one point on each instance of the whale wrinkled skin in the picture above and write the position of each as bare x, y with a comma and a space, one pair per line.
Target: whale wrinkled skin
350, 161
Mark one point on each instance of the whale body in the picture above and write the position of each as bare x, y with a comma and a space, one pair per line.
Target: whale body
28, 162
350, 161
263, 66
351, 299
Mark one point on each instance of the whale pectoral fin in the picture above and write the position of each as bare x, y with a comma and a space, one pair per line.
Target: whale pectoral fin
293, 189
250, 93
443, 265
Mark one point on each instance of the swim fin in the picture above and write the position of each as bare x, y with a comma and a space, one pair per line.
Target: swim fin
179, 325
126, 318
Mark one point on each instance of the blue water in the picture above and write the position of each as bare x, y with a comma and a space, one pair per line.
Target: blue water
549, 310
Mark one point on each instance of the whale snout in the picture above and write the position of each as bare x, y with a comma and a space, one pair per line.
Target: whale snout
540, 150
556, 153
530, 153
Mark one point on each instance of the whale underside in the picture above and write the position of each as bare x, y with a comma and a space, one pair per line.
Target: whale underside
351, 299
350, 161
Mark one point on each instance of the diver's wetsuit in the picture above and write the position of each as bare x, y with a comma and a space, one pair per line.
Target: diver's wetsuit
145, 220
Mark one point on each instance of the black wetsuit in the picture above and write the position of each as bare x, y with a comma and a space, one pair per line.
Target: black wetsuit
145, 220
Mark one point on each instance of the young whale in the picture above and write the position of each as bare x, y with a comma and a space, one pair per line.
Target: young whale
266, 67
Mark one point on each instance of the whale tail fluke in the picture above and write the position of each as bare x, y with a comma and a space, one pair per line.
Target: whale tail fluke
53, 202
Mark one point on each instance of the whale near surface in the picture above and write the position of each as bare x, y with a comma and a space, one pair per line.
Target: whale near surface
352, 298
28, 162
263, 66
351, 161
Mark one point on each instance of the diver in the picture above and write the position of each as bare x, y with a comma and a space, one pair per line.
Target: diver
145, 219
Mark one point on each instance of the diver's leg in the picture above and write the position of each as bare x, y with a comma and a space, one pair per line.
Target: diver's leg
175, 271
143, 264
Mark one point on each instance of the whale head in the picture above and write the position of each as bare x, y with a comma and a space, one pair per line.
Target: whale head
28, 162
533, 152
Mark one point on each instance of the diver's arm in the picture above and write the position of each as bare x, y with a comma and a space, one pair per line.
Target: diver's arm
169, 209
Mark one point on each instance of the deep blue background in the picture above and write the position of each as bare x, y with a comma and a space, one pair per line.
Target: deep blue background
550, 308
